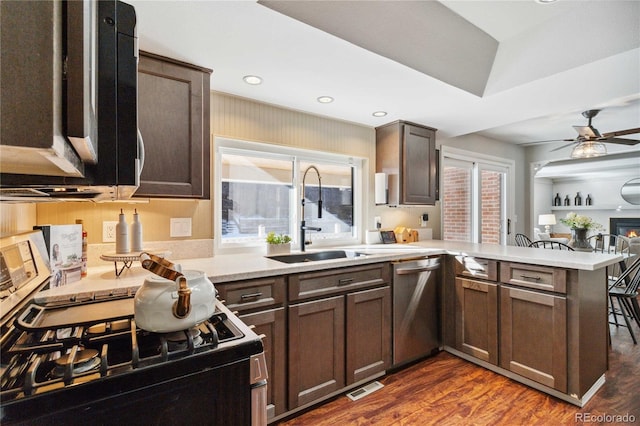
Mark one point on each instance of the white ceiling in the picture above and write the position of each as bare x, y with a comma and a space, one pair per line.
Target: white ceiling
552, 61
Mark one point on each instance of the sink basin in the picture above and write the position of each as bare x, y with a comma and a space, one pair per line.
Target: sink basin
313, 256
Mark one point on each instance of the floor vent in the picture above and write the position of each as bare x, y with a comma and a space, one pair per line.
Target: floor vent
364, 391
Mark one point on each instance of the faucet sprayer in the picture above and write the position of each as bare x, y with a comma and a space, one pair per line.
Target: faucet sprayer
303, 227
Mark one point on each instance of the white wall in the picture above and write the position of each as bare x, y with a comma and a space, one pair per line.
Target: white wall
605, 193
603, 187
495, 148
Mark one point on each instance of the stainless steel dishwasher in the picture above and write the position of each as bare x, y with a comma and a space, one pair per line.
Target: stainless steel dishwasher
415, 309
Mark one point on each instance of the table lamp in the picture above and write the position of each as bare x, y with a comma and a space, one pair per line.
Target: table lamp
547, 220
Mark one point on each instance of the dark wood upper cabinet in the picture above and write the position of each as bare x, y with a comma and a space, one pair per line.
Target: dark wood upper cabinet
406, 152
173, 117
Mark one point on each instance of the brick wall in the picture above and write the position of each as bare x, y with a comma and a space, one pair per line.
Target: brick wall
490, 199
456, 210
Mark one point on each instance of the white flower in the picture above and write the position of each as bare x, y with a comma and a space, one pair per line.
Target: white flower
573, 220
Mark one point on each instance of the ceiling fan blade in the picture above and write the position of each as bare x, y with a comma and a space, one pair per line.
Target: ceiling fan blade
545, 142
621, 141
563, 146
622, 132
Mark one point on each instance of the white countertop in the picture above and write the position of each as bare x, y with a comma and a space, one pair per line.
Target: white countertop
234, 267
559, 258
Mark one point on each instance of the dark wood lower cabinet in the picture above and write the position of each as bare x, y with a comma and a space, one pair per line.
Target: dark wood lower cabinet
316, 350
476, 320
368, 333
271, 323
533, 336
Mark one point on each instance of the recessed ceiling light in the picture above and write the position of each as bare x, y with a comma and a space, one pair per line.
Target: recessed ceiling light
545, 1
379, 113
325, 99
252, 79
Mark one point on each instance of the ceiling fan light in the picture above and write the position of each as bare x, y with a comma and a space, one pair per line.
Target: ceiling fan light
588, 149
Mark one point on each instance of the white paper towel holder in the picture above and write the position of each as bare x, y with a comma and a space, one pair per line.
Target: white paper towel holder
381, 188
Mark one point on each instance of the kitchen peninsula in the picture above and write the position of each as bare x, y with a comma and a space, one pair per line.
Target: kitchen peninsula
536, 316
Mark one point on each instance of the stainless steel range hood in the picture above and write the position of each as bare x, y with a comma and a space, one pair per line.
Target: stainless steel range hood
38, 159
69, 193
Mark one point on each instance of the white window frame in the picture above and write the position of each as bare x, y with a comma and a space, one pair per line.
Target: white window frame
235, 146
478, 162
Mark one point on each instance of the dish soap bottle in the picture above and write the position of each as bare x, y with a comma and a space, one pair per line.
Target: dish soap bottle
122, 235
83, 269
136, 232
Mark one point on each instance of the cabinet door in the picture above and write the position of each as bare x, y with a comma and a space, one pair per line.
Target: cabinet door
533, 336
418, 165
271, 323
173, 117
368, 333
477, 319
316, 350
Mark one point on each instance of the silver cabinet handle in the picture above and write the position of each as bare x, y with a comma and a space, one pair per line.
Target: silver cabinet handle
250, 296
345, 281
528, 277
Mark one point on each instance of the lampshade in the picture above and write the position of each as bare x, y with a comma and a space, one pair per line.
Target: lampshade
587, 149
547, 219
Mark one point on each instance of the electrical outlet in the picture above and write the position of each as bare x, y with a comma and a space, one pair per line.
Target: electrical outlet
109, 231
180, 227
377, 222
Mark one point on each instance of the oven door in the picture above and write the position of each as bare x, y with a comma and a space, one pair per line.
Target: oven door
220, 396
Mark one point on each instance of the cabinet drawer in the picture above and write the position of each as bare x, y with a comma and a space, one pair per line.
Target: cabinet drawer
477, 267
532, 276
245, 295
335, 281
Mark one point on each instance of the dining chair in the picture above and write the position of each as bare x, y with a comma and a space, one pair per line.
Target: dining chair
553, 245
610, 244
625, 292
522, 240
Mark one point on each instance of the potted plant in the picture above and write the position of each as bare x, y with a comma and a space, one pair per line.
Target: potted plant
580, 226
278, 243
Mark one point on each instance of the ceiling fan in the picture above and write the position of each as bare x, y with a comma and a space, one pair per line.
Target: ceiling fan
590, 143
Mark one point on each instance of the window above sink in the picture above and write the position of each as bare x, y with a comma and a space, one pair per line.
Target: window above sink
257, 190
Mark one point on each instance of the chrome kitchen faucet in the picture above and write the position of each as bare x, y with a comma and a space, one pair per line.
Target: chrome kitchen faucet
303, 226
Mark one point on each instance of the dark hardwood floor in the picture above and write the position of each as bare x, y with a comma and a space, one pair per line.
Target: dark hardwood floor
446, 390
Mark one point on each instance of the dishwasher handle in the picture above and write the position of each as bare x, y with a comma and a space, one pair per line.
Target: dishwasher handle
416, 270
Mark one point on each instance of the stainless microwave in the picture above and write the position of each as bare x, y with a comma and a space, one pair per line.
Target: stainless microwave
69, 100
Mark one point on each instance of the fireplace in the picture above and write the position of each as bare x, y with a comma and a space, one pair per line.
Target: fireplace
627, 226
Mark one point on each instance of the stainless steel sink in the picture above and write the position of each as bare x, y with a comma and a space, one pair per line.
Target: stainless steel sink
313, 256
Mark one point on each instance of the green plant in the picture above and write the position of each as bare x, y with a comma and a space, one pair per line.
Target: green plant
575, 221
273, 238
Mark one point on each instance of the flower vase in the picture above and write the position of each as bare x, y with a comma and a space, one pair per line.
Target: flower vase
273, 249
579, 239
